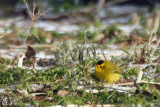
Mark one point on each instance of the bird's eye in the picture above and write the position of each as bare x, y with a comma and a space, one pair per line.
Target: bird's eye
101, 66
116, 72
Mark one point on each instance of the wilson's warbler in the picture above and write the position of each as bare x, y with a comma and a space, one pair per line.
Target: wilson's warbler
108, 71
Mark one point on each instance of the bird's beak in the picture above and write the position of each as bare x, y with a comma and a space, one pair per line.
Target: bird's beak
96, 67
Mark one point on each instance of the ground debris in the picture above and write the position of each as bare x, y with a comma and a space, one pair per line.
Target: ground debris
30, 53
62, 93
46, 62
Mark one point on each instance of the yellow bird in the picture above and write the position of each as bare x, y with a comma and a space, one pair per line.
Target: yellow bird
108, 71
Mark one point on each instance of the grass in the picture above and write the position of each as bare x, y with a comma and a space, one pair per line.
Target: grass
72, 66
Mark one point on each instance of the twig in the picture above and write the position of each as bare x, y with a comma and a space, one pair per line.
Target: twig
34, 15
132, 83
140, 74
113, 2
88, 89
98, 7
37, 38
28, 32
20, 61
35, 64
34, 46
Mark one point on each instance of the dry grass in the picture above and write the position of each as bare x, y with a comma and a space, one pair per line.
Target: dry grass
35, 12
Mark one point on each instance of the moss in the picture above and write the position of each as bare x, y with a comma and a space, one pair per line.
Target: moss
112, 30
5, 61
114, 34
131, 72
37, 35
57, 35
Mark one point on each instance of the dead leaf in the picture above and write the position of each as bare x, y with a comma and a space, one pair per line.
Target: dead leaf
98, 37
30, 53
62, 93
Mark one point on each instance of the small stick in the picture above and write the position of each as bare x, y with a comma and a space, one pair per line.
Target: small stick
20, 61
140, 74
35, 64
25, 46
131, 83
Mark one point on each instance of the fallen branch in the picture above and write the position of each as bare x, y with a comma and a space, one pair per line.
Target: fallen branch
97, 8
26, 46
131, 83
114, 2
140, 74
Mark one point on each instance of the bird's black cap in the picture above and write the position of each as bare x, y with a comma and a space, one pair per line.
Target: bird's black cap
100, 62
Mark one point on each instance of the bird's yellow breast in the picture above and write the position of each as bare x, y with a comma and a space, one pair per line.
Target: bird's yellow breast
109, 77
107, 71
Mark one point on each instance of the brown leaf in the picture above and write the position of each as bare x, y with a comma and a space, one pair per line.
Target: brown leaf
99, 37
63, 93
30, 53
